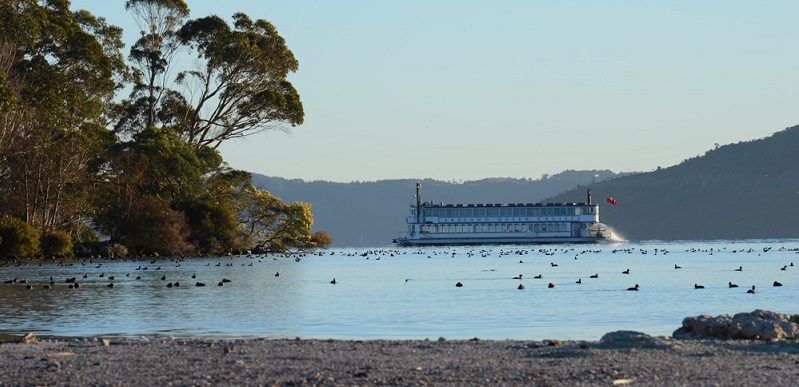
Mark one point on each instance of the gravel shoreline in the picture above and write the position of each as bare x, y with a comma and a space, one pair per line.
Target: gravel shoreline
630, 359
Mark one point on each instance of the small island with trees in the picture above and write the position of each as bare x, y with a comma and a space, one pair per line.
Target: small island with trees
87, 172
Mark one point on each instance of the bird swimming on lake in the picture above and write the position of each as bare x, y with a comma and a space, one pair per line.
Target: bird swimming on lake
458, 285
776, 283
539, 276
521, 287
334, 281
732, 285
594, 275
752, 290
626, 271
740, 268
579, 281
519, 277
698, 286
634, 288
551, 285
677, 267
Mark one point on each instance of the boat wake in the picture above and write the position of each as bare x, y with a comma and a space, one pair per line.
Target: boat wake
615, 236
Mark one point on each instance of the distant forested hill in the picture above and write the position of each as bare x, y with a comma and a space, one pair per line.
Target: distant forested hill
373, 213
744, 190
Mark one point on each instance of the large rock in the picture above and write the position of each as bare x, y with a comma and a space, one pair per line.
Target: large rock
632, 339
756, 325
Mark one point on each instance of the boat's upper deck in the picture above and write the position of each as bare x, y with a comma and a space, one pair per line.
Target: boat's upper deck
430, 210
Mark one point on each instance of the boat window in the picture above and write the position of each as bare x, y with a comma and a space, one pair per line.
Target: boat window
480, 212
492, 212
519, 211
506, 211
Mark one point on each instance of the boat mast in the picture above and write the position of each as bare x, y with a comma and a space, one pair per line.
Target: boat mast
418, 200
589, 197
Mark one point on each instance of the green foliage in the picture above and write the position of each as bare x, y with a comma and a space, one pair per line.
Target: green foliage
171, 168
88, 235
214, 227
242, 86
59, 72
275, 225
56, 244
155, 184
17, 238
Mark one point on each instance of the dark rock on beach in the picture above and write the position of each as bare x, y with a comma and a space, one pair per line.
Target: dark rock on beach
755, 325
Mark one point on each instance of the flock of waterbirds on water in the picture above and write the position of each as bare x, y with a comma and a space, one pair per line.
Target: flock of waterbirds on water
484, 252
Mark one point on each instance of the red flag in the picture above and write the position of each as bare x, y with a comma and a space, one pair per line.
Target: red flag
610, 200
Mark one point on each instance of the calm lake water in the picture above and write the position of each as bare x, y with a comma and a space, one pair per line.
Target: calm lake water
408, 293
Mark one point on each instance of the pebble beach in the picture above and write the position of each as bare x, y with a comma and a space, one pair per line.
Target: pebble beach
626, 359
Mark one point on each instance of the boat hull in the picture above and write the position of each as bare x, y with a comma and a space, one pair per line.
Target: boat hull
454, 241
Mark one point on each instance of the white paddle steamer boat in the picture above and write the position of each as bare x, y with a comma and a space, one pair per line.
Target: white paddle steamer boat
520, 223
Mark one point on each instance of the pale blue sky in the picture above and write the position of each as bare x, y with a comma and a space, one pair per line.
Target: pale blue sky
466, 90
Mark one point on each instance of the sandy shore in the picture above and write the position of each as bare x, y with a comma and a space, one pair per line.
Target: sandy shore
647, 361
